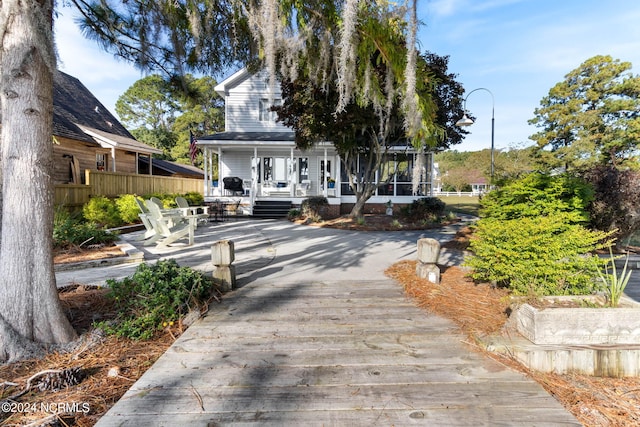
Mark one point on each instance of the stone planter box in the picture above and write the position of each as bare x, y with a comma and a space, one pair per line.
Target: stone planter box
580, 326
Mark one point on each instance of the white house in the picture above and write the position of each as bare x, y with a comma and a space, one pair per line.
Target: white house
262, 155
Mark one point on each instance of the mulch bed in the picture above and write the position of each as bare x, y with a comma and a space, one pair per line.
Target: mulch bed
78, 254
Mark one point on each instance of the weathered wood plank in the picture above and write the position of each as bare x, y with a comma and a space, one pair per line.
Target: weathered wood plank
428, 374
450, 417
231, 357
395, 341
456, 396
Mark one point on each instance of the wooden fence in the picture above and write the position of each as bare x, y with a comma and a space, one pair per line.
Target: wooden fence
112, 184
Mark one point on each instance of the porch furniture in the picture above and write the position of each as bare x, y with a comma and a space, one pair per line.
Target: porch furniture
144, 217
168, 211
304, 188
165, 233
187, 210
246, 185
233, 184
231, 208
270, 188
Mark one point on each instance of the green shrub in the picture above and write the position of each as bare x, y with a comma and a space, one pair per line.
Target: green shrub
70, 230
154, 296
537, 194
531, 238
293, 214
425, 209
194, 198
543, 255
168, 200
128, 208
313, 207
102, 211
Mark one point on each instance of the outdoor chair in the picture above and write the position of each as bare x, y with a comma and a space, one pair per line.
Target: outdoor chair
165, 228
303, 188
144, 217
187, 210
231, 208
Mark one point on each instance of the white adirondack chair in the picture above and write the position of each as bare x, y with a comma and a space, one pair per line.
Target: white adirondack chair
144, 216
166, 230
186, 210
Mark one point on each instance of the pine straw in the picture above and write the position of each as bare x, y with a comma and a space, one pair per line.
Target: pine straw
98, 390
479, 309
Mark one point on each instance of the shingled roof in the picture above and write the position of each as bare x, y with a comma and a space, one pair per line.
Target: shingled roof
74, 104
78, 115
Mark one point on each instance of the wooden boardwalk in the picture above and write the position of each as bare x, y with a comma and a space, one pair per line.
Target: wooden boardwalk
329, 353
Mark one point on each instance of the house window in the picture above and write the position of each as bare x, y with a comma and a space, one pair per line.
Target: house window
101, 161
265, 114
303, 168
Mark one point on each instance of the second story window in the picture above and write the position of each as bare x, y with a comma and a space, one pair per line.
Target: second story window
265, 114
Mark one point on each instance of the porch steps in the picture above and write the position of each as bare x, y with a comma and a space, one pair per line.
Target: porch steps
271, 208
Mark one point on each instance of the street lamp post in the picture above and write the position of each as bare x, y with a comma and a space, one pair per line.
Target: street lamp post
466, 121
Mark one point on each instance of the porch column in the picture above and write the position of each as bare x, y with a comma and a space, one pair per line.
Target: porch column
293, 180
219, 171
324, 175
113, 159
254, 178
205, 158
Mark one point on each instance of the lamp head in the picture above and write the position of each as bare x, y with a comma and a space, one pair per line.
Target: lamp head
464, 121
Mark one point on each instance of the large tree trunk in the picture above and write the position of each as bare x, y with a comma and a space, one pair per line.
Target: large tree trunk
29, 303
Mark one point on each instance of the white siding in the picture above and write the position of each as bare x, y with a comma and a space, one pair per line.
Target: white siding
242, 106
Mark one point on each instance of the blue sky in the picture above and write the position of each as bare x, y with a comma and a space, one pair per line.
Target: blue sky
517, 49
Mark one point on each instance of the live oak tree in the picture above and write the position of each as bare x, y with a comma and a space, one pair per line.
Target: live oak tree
172, 37
591, 118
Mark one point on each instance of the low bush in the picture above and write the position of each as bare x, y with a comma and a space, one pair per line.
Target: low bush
293, 214
70, 230
425, 209
128, 208
155, 296
194, 199
312, 207
536, 256
102, 211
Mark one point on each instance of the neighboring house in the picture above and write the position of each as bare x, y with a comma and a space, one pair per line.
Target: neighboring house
173, 169
87, 136
262, 155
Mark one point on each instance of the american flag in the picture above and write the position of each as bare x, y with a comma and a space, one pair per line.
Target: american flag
193, 149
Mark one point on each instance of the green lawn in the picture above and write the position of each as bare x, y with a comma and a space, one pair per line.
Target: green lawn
462, 204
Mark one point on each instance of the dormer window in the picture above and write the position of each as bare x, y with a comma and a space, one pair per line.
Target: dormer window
265, 114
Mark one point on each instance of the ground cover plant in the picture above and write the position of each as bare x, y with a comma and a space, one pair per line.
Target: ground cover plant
156, 296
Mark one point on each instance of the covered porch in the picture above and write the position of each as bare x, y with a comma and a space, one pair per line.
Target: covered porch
266, 166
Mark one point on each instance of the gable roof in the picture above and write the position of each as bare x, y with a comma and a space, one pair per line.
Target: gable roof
74, 104
77, 114
233, 80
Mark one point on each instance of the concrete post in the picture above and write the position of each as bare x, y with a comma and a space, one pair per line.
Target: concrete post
428, 253
222, 257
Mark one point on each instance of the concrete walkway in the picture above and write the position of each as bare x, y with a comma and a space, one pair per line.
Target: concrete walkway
316, 335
